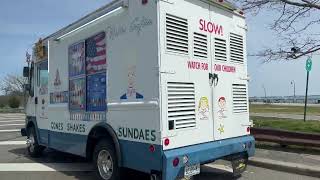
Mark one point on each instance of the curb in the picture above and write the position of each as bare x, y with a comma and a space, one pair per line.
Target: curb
285, 166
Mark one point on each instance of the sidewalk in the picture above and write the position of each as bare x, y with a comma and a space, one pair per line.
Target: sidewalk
299, 163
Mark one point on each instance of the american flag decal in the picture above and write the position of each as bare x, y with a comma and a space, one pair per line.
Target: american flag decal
96, 59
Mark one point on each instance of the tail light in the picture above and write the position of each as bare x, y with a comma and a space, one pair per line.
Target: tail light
175, 162
152, 148
166, 142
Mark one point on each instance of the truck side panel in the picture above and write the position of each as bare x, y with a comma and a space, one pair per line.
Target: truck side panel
132, 87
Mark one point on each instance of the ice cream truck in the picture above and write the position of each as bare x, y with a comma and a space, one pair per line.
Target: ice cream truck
158, 86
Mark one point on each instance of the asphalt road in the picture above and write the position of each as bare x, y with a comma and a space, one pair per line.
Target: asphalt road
16, 164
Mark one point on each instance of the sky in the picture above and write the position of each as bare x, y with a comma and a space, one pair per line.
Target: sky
23, 22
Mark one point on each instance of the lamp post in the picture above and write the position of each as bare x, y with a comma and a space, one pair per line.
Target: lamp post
294, 90
265, 93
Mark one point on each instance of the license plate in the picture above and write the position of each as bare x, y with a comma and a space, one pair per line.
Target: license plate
192, 170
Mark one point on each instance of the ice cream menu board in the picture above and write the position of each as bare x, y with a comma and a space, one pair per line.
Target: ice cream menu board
77, 99
77, 79
77, 60
87, 74
96, 92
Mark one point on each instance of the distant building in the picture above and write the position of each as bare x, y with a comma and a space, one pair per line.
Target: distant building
312, 99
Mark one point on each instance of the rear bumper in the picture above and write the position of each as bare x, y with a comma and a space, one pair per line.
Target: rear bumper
205, 153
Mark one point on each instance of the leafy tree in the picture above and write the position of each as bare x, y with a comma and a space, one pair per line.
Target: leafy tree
14, 102
12, 84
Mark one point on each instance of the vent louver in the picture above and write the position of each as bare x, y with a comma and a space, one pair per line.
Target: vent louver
236, 48
240, 100
220, 49
177, 34
200, 45
181, 105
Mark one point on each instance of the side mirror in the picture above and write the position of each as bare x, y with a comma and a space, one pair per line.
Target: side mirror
26, 87
26, 71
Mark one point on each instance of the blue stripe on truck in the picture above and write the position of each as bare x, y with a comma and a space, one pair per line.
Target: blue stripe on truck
135, 155
67, 142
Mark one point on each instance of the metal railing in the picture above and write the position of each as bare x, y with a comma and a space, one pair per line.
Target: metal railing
284, 137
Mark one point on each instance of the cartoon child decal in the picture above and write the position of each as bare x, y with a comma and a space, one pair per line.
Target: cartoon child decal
222, 105
203, 108
131, 91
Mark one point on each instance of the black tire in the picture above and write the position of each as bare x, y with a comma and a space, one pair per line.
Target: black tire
156, 176
33, 147
105, 147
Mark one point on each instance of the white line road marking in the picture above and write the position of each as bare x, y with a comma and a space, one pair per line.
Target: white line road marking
12, 121
12, 117
13, 143
10, 130
1, 125
45, 167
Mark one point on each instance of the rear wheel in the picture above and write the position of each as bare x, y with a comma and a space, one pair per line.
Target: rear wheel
105, 161
34, 149
156, 176
239, 165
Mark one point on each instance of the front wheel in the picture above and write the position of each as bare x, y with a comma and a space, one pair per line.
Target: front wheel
105, 161
34, 149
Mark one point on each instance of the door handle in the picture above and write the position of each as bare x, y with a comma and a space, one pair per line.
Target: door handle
36, 100
214, 79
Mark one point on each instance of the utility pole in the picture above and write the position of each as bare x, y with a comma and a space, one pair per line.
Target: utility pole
265, 92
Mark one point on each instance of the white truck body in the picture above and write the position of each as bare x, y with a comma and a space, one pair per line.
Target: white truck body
166, 74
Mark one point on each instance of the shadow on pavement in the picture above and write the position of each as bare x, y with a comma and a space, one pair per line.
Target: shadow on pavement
209, 173
52, 156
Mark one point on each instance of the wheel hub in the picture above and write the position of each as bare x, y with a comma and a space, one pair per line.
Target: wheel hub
30, 142
105, 164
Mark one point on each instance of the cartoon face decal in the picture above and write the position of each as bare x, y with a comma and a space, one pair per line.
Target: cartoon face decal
131, 77
222, 107
203, 108
131, 90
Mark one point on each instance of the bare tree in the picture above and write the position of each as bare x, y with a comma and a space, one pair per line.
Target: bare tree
295, 26
13, 84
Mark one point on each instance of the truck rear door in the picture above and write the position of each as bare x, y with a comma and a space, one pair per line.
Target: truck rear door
228, 66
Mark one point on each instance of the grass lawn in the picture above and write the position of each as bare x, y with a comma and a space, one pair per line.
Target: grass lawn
11, 110
267, 108
287, 124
